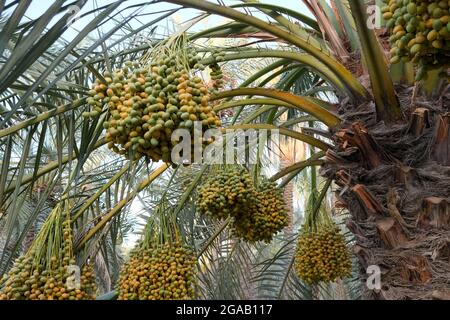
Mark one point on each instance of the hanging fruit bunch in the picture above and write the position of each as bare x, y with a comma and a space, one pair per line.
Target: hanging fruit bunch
147, 100
217, 82
321, 253
47, 270
266, 216
160, 266
216, 76
228, 191
216, 73
258, 213
420, 32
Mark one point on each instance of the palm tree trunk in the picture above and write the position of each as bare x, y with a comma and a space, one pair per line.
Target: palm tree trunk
395, 181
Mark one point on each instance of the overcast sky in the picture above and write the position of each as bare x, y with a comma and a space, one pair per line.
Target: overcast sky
37, 7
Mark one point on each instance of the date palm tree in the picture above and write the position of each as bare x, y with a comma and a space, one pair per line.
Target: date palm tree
382, 140
388, 150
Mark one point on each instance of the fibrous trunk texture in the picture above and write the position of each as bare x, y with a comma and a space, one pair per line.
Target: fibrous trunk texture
395, 181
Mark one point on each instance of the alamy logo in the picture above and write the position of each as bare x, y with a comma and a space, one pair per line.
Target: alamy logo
374, 17
373, 281
74, 10
73, 280
229, 147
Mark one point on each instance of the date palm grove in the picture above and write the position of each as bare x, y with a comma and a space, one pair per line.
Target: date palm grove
88, 114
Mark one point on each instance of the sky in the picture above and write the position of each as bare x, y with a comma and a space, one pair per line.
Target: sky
37, 7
